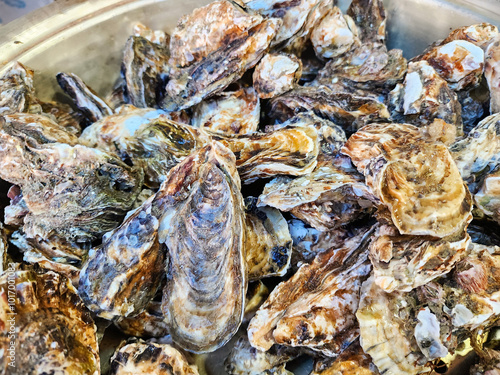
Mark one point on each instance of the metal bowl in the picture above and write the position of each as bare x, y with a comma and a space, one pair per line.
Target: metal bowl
86, 37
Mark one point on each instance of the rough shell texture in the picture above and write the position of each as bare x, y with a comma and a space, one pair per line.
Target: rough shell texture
202, 224
234, 112
488, 197
156, 36
276, 74
146, 70
315, 307
149, 323
54, 332
369, 15
416, 180
122, 276
479, 34
16, 91
63, 114
148, 358
268, 243
492, 73
257, 293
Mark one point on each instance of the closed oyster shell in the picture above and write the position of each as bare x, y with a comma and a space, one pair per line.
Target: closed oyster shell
54, 332
149, 323
201, 216
155, 36
70, 190
233, 112
276, 74
189, 86
487, 199
122, 276
369, 15
146, 70
3, 249
492, 73
315, 307
416, 180
16, 91
86, 100
479, 34
268, 244
141, 357
71, 120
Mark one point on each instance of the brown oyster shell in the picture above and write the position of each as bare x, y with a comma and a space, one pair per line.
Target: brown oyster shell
142, 357
487, 199
71, 120
492, 73
315, 307
202, 224
369, 16
257, 293
416, 180
54, 332
268, 244
122, 276
16, 91
276, 74
149, 323
234, 112
155, 36
480, 34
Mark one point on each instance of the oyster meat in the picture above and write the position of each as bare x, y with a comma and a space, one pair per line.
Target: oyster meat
276, 74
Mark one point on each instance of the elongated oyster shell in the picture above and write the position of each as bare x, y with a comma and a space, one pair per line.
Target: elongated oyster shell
45, 326
246, 360
488, 197
369, 15
334, 35
149, 323
16, 91
87, 101
234, 112
70, 190
315, 307
292, 150
347, 110
268, 243
145, 69
326, 198
145, 137
190, 85
416, 180
492, 73
276, 74
202, 224
148, 358
122, 276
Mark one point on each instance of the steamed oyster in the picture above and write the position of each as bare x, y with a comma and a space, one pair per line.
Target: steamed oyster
54, 332
416, 180
122, 276
148, 358
233, 112
276, 74
70, 190
268, 244
86, 100
488, 197
201, 221
16, 91
246, 360
146, 70
149, 323
315, 307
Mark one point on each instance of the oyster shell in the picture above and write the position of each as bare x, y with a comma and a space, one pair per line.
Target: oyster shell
3, 249
369, 16
190, 85
202, 224
246, 360
416, 180
16, 91
65, 116
475, 103
86, 100
487, 199
149, 323
268, 244
155, 36
122, 276
350, 111
480, 34
276, 74
15, 212
257, 293
235, 112
315, 307
70, 190
492, 73
142, 357
53, 331
146, 70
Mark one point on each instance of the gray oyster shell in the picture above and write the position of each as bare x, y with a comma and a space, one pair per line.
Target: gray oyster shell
16, 91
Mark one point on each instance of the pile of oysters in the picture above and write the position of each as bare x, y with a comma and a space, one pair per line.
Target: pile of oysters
268, 180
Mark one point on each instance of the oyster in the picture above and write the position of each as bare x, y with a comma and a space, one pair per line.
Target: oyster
71, 120
3, 249
315, 307
369, 16
146, 70
45, 326
148, 358
70, 190
334, 35
122, 276
292, 150
16, 91
268, 243
416, 180
475, 103
16, 211
201, 220
480, 34
425, 96
155, 36
246, 360
276, 74
350, 111
234, 112
492, 73
149, 323
487, 199
86, 100
257, 293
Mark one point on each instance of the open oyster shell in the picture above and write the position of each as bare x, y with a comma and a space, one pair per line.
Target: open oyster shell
276, 74
148, 358
54, 332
